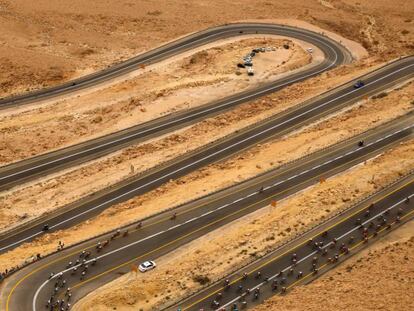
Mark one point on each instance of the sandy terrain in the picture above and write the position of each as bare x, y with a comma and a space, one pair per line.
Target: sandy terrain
379, 278
248, 237
211, 178
194, 79
43, 42
52, 192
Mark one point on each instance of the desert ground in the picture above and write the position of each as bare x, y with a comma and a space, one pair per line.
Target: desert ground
250, 237
53, 192
379, 278
194, 79
45, 43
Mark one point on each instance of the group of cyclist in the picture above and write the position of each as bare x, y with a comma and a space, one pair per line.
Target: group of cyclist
55, 302
321, 248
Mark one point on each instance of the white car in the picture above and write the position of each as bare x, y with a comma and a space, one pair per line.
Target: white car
147, 265
310, 50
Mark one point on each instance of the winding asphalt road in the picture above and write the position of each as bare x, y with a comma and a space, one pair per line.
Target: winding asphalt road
29, 288
328, 46
16, 173
274, 127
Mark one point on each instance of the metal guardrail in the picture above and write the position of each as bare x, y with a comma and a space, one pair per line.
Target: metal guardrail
294, 238
135, 222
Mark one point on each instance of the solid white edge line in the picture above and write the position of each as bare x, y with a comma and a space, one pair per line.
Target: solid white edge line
236, 201
196, 218
183, 118
315, 252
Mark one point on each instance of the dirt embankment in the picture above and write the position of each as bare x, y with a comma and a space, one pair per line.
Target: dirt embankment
43, 43
195, 78
248, 238
259, 159
32, 200
380, 278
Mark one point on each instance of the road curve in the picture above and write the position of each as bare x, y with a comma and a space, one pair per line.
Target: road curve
30, 288
274, 127
16, 173
175, 47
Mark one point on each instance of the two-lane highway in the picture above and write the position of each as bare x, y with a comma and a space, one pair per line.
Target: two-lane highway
161, 234
16, 173
30, 288
274, 127
178, 46
307, 258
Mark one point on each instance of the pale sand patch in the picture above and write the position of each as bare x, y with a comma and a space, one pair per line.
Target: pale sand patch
248, 237
45, 43
248, 164
222, 43
378, 278
356, 49
188, 81
52, 192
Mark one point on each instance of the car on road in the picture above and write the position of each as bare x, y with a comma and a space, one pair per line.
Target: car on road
250, 71
147, 265
359, 84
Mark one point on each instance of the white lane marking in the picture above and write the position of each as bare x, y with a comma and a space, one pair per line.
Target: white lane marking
22, 240
201, 112
249, 195
184, 118
124, 194
173, 227
196, 218
37, 294
225, 205
332, 64
315, 252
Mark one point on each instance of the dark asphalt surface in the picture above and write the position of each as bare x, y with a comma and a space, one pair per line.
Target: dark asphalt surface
160, 234
31, 168
175, 47
241, 292
275, 127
